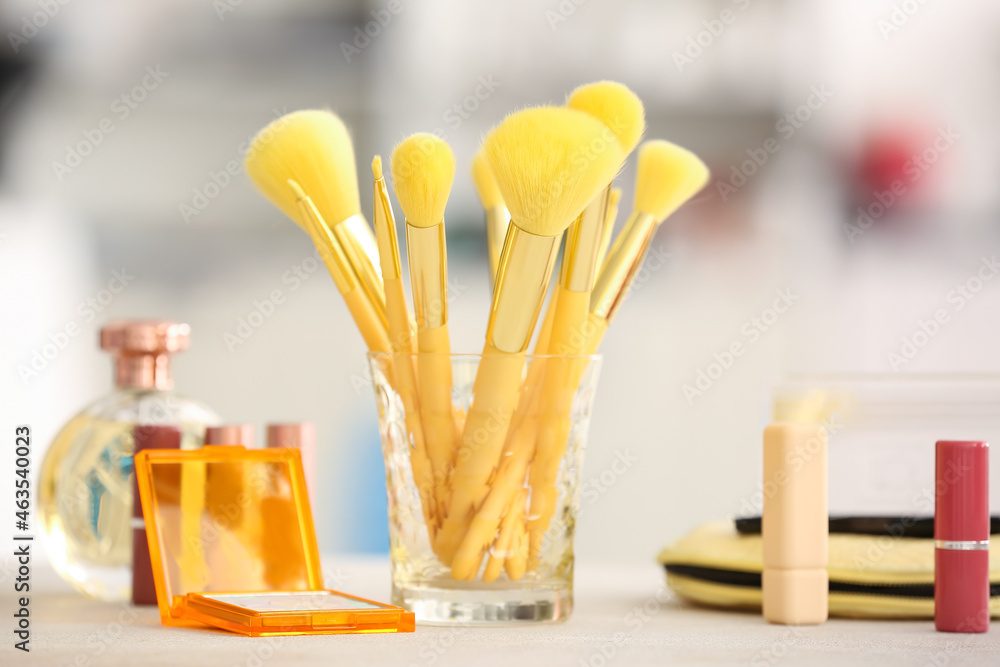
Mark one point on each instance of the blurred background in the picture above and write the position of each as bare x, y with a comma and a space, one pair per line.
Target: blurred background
854, 148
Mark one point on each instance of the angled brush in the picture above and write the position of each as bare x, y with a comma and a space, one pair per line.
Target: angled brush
546, 173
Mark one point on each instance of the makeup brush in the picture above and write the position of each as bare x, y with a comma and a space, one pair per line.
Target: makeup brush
372, 326
609, 226
497, 215
547, 166
667, 176
622, 115
402, 344
314, 149
423, 170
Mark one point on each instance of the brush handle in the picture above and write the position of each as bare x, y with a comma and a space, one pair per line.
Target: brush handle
406, 385
502, 549
597, 326
361, 250
367, 321
495, 394
436, 410
499, 502
562, 377
367, 316
517, 452
517, 563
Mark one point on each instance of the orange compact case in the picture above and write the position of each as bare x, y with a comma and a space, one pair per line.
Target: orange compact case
232, 543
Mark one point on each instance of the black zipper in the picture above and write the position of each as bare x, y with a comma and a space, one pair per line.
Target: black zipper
752, 580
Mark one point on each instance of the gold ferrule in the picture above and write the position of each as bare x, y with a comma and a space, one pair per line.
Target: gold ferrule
583, 244
328, 247
497, 221
623, 263
523, 277
425, 247
358, 243
385, 232
609, 229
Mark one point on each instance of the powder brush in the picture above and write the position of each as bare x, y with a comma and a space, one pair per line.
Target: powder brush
547, 173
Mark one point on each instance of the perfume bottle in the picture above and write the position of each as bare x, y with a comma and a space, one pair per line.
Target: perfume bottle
85, 484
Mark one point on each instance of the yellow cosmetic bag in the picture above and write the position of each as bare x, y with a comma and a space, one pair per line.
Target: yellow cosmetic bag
871, 576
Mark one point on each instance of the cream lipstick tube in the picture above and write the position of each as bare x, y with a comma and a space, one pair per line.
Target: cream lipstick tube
795, 524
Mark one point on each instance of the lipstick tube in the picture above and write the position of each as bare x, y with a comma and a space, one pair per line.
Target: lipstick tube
230, 434
300, 436
961, 537
794, 524
143, 587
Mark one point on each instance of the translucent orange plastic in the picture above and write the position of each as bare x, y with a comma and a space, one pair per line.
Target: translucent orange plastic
232, 543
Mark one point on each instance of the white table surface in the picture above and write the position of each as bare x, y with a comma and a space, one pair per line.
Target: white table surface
623, 617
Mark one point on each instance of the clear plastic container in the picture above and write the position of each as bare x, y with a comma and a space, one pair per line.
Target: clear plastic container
882, 430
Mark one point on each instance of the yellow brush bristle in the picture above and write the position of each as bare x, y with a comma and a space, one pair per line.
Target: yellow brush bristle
667, 176
486, 185
614, 105
377, 167
423, 169
311, 147
549, 162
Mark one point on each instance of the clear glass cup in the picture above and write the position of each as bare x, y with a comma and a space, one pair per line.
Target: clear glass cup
481, 518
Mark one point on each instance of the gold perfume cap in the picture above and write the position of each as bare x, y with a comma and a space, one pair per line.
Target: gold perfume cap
142, 350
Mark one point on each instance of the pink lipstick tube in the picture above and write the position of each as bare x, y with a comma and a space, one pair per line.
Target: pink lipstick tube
301, 436
962, 537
